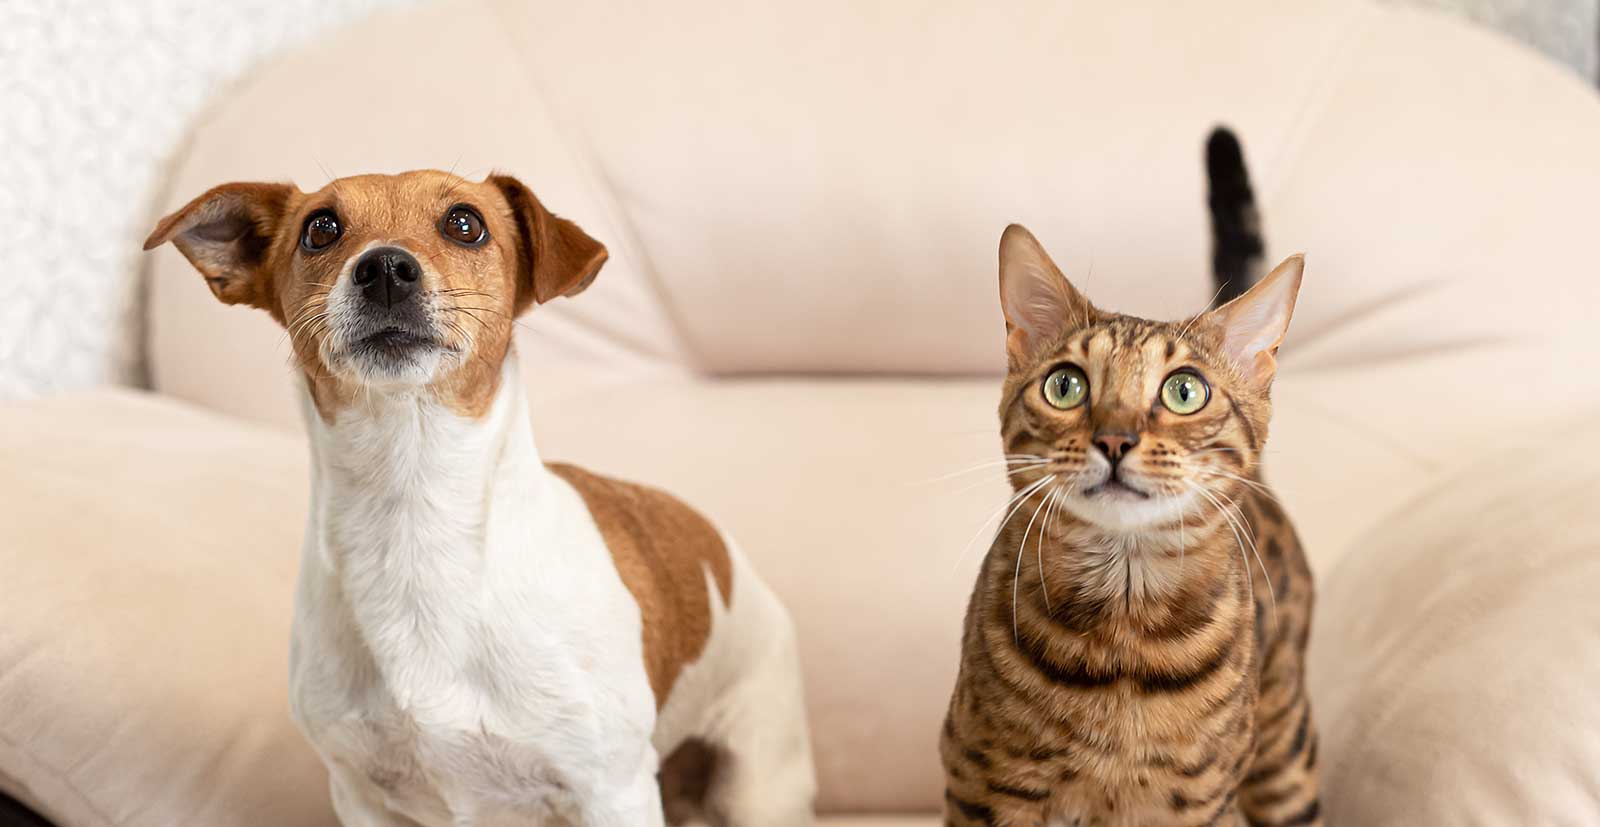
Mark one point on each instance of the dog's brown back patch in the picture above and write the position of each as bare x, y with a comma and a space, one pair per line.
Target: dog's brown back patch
662, 549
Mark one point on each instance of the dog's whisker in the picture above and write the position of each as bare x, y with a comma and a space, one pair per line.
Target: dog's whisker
466, 308
298, 327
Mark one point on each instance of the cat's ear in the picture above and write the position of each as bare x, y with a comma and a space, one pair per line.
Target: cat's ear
1254, 324
1038, 301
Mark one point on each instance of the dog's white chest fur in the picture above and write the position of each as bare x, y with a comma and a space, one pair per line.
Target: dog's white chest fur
471, 664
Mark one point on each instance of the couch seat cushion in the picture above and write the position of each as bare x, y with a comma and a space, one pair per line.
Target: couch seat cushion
150, 548
1456, 662
148, 552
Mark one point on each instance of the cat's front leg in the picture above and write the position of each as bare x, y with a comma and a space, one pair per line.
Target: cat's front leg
1281, 786
966, 809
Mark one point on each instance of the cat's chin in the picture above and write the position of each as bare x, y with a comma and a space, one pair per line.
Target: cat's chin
1122, 510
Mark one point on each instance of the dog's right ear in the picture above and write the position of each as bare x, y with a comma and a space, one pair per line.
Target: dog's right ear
226, 234
555, 257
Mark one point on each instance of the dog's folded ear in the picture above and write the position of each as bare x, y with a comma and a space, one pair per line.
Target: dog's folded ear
227, 234
555, 258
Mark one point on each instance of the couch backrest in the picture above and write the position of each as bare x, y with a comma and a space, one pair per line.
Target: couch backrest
820, 188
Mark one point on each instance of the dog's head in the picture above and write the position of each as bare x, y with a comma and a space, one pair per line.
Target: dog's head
388, 283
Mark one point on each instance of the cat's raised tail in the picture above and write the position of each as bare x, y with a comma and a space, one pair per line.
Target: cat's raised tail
1237, 248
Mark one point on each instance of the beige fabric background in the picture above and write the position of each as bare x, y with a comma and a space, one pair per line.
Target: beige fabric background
1457, 657
99, 98
832, 207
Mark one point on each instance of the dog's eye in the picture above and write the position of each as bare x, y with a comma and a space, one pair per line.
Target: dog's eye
463, 225
322, 230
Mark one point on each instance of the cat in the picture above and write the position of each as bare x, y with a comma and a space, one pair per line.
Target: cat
1133, 651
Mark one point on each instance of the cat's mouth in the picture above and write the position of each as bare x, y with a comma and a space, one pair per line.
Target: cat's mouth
1114, 487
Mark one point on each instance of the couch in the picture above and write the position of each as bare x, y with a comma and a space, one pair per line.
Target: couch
798, 332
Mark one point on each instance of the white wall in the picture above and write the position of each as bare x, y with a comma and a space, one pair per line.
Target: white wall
95, 97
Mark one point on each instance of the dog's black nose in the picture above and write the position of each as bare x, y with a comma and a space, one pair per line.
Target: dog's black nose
387, 275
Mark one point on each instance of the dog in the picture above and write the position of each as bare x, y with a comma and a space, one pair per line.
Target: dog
480, 638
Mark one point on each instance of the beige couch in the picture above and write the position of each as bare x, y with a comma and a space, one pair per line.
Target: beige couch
798, 329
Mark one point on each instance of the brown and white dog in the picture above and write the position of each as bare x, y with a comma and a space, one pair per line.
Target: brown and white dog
480, 638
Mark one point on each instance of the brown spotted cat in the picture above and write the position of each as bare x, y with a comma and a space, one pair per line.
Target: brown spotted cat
1134, 648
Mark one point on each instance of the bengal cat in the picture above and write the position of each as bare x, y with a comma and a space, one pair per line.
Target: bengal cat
1134, 648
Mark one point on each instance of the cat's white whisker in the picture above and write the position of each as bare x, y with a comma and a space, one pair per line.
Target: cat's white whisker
1011, 469
1012, 462
1016, 575
1255, 550
1183, 520
1014, 503
1183, 526
1044, 531
1009, 474
1240, 539
1198, 316
1255, 486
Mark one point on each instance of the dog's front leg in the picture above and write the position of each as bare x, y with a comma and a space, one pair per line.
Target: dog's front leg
359, 804
636, 805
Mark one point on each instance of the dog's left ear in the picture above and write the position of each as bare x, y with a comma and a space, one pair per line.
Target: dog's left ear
226, 234
554, 257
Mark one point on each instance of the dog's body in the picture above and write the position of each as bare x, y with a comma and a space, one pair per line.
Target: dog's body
482, 639
466, 650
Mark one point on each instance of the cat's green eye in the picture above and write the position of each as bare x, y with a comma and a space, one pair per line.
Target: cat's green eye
1066, 387
1185, 392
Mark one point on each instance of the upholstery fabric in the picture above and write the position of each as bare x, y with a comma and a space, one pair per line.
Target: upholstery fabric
143, 648
798, 329
98, 97
1448, 666
1455, 664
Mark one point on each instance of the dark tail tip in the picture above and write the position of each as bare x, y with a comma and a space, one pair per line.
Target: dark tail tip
1237, 245
1224, 157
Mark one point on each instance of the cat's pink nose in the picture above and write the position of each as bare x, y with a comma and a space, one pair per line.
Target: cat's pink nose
1115, 444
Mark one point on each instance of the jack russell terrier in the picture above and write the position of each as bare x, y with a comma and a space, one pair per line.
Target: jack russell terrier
480, 638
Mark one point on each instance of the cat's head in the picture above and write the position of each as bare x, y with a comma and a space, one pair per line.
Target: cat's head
1134, 422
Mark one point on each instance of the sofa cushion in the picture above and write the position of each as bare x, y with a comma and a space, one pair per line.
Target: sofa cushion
863, 502
148, 552
1455, 664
